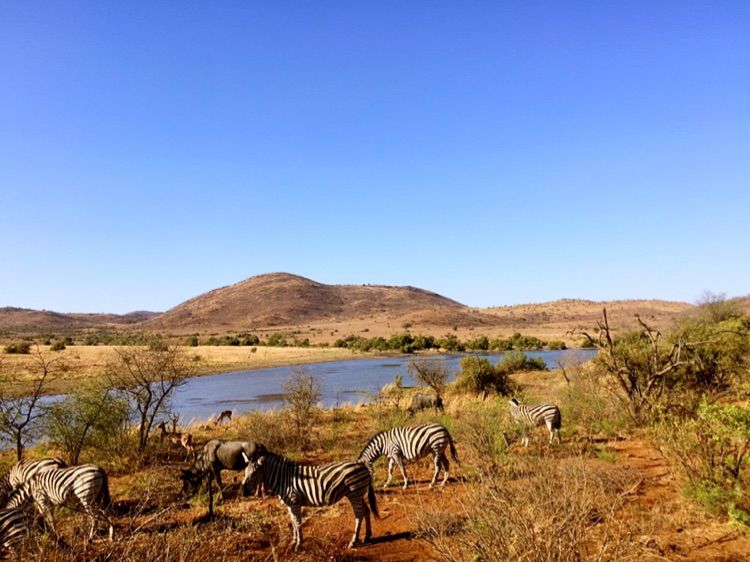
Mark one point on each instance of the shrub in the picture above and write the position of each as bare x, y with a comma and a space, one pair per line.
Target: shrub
59, 345
479, 343
302, 395
478, 375
713, 450
22, 348
550, 515
91, 418
515, 361
450, 342
556, 345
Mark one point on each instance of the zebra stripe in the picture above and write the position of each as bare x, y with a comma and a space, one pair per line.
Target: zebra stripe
410, 443
86, 484
533, 416
299, 485
13, 529
23, 471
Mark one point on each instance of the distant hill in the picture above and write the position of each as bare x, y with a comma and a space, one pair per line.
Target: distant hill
283, 299
25, 319
282, 302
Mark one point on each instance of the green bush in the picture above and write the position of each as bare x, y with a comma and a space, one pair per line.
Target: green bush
92, 418
59, 345
478, 375
556, 345
22, 348
515, 361
479, 343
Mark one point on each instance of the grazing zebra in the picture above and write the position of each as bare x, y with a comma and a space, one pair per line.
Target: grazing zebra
300, 485
22, 471
532, 416
410, 443
86, 484
13, 529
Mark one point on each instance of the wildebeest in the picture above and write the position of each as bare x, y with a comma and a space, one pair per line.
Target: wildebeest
215, 456
424, 401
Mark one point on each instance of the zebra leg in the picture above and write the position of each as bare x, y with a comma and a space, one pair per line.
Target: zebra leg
295, 512
446, 466
390, 473
360, 512
435, 461
400, 464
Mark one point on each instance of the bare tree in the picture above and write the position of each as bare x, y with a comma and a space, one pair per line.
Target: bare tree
432, 373
20, 401
640, 367
302, 395
148, 376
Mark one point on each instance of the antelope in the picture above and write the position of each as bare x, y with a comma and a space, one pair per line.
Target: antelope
183, 439
225, 415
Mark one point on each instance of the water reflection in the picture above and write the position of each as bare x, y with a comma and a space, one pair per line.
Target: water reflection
341, 382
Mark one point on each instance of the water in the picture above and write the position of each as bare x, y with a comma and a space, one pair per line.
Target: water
341, 382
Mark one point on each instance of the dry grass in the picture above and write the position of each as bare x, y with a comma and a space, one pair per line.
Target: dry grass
82, 361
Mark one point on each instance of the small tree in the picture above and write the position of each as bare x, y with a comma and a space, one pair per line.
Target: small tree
92, 416
148, 377
21, 410
432, 373
302, 395
478, 375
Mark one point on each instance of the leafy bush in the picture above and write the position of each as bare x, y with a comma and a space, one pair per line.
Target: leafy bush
91, 418
22, 348
478, 375
556, 345
479, 343
59, 345
450, 342
516, 361
713, 450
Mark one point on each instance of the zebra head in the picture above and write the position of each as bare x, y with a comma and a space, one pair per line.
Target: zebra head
254, 469
19, 496
372, 452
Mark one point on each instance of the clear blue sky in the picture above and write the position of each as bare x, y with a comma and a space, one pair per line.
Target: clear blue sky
493, 152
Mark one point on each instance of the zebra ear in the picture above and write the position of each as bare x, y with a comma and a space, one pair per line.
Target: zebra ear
513, 402
244, 456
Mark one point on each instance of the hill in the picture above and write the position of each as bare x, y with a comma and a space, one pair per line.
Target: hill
283, 299
282, 302
34, 321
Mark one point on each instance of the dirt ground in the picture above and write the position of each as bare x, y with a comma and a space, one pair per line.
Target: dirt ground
660, 521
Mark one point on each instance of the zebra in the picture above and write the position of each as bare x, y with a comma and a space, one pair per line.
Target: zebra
86, 484
410, 443
532, 416
300, 485
22, 471
13, 529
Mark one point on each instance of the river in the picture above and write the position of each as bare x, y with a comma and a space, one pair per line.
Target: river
341, 382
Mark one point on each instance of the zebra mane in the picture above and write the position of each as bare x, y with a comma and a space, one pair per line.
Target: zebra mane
370, 442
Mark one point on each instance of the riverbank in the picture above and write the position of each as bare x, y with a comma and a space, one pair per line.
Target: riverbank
77, 363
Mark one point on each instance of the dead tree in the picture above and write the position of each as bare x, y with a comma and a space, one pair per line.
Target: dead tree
640, 367
20, 401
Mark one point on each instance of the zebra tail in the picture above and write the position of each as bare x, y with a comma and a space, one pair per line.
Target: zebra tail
453, 452
373, 501
557, 422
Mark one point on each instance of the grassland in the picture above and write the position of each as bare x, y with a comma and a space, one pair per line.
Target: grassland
606, 493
